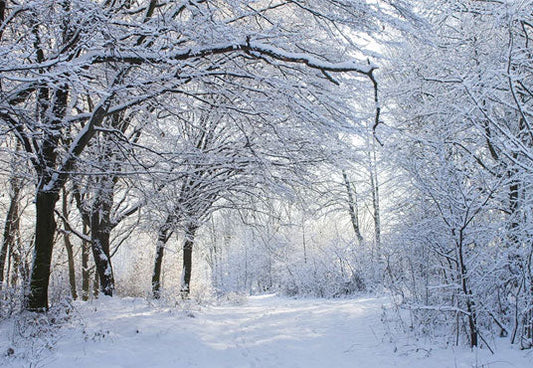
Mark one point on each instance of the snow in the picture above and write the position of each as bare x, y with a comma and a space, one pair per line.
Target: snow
351, 65
264, 331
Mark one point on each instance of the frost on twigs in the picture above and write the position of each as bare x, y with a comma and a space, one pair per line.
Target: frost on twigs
32, 337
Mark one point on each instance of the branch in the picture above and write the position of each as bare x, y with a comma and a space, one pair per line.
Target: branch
22, 138
377, 118
79, 144
250, 47
79, 203
253, 48
69, 229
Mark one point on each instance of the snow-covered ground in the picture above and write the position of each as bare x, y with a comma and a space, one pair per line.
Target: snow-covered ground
264, 331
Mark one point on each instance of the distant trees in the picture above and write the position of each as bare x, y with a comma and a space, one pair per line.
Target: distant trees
229, 160
215, 163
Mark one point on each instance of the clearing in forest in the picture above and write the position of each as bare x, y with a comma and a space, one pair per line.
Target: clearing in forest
262, 331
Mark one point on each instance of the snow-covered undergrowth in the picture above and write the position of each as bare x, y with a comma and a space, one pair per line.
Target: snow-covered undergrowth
263, 331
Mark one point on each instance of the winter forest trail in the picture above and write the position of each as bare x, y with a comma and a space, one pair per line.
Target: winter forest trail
265, 331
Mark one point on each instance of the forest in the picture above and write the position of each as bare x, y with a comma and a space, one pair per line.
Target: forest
187, 150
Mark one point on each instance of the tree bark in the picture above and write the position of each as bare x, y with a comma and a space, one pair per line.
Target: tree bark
45, 228
98, 220
96, 285
85, 272
11, 228
162, 239
70, 252
470, 304
190, 232
352, 208
48, 188
375, 201
102, 258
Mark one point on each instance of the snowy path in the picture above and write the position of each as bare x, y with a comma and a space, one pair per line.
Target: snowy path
265, 332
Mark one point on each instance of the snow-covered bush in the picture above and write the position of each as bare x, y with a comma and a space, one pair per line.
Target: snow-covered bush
320, 277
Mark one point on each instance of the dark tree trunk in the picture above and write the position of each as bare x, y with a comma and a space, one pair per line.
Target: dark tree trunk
49, 186
190, 232
71, 268
352, 208
85, 273
45, 228
514, 206
96, 285
70, 252
472, 321
2, 10
11, 228
470, 304
102, 257
98, 221
162, 239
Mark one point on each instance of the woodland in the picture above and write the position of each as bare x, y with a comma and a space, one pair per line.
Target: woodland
180, 149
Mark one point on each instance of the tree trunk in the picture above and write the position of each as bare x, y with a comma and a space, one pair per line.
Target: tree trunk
96, 285
528, 318
514, 207
47, 194
162, 239
11, 228
352, 208
100, 225
2, 11
45, 228
97, 221
85, 272
70, 253
190, 232
375, 201
100, 246
470, 304
71, 268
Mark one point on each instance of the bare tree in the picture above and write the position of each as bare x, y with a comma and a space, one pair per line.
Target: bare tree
123, 56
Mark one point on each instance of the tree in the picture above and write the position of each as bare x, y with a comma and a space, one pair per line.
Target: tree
227, 165
352, 207
457, 102
123, 53
11, 234
102, 164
